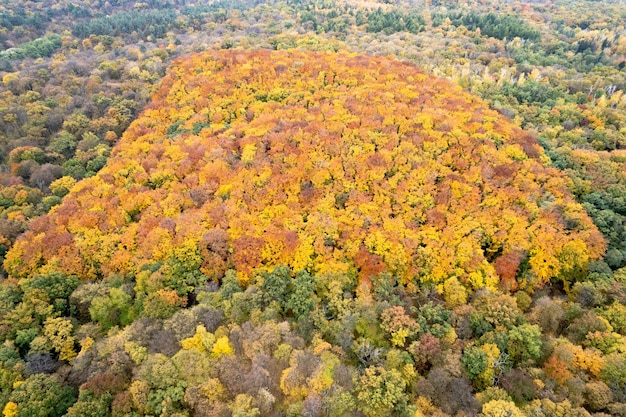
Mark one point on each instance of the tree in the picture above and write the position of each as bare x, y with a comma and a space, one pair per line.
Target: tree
597, 395
88, 405
275, 284
379, 391
399, 325
525, 343
57, 286
475, 361
45, 175
242, 407
42, 396
613, 373
58, 334
501, 408
302, 299
111, 310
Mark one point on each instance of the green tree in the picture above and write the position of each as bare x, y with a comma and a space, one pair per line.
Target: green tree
113, 309
230, 285
379, 391
275, 284
57, 286
613, 373
525, 343
42, 396
90, 405
301, 301
475, 361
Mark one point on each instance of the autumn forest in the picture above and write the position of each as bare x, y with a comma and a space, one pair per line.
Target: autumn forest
312, 208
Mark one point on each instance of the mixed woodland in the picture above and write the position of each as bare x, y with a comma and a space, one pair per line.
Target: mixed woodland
312, 208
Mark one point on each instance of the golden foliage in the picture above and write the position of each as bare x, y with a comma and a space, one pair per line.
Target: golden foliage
310, 160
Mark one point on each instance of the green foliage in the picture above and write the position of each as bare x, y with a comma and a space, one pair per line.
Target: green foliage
613, 373
302, 300
532, 92
380, 391
145, 22
434, 319
114, 309
525, 343
41, 47
182, 270
18, 17
499, 26
394, 21
230, 285
70, 109
616, 315
475, 361
57, 286
89, 405
274, 285
42, 396
10, 295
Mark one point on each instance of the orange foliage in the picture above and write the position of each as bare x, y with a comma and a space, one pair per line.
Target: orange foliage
318, 161
557, 370
507, 267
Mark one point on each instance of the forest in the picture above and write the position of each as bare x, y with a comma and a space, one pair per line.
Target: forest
312, 208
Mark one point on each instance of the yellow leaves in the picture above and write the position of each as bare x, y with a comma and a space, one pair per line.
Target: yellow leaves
501, 408
137, 353
543, 262
248, 153
485, 378
273, 253
424, 406
377, 243
454, 293
398, 338
160, 243
515, 152
58, 332
425, 120
8, 78
320, 177
86, 344
139, 391
389, 166
187, 252
224, 191
221, 347
262, 177
589, 360
377, 174
459, 189
161, 178
302, 258
213, 390
202, 340
323, 377
10, 409
62, 185
257, 131
573, 255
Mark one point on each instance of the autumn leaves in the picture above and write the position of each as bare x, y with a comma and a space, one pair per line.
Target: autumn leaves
323, 162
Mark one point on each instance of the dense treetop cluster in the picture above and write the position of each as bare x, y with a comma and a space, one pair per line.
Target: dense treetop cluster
256, 233
326, 163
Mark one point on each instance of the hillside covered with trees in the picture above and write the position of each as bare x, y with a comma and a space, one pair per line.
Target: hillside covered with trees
242, 209
303, 233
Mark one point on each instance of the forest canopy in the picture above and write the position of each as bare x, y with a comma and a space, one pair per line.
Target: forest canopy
312, 234
323, 162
